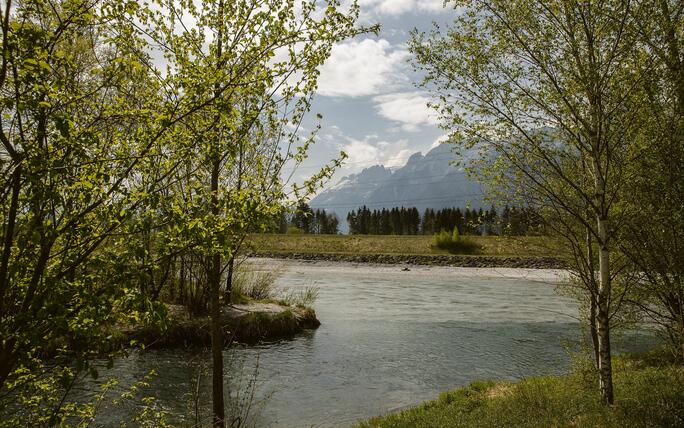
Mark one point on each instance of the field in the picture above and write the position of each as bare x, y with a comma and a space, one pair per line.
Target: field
523, 246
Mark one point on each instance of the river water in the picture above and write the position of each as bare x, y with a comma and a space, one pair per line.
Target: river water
389, 338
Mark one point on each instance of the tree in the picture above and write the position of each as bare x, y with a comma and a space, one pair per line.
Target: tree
654, 232
303, 217
100, 143
80, 117
546, 86
252, 66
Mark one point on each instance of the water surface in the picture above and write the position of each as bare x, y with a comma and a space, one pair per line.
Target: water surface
389, 338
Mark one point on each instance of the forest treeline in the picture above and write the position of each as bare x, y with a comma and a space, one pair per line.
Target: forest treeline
304, 219
510, 221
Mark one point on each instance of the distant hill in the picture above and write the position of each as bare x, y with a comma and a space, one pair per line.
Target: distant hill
428, 181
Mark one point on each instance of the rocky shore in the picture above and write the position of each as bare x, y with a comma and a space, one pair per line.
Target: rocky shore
425, 260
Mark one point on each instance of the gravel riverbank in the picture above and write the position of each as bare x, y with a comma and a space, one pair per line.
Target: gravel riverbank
425, 260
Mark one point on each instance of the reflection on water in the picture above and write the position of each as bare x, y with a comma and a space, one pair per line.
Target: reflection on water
388, 339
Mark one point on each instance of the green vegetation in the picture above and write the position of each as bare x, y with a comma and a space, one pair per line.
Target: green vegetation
575, 109
136, 152
408, 221
649, 392
128, 184
514, 246
454, 243
250, 284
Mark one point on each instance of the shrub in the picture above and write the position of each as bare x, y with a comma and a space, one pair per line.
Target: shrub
303, 297
254, 284
454, 243
294, 230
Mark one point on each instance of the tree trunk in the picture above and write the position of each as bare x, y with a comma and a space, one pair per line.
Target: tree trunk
216, 324
8, 360
217, 343
593, 329
229, 281
603, 316
593, 306
215, 274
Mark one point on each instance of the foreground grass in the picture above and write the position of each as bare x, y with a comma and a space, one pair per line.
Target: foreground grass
649, 392
519, 246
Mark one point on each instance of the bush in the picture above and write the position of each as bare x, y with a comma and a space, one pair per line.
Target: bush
454, 243
304, 297
294, 230
254, 284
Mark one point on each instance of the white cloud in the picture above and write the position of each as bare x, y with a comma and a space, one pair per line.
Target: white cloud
399, 7
439, 141
370, 151
361, 153
399, 159
362, 68
410, 109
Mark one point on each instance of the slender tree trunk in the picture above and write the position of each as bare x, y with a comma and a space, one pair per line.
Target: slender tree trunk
593, 329
229, 280
8, 360
9, 233
216, 324
603, 316
215, 273
593, 306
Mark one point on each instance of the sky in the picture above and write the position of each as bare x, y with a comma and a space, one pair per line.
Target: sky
367, 95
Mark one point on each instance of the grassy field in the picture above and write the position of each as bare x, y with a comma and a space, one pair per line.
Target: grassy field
523, 246
649, 393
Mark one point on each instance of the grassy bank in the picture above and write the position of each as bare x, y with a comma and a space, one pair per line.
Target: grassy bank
649, 392
523, 246
249, 324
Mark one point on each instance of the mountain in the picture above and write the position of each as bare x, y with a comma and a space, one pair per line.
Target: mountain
427, 181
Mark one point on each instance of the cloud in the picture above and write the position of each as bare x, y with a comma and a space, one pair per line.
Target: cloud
400, 7
410, 109
442, 139
369, 151
362, 68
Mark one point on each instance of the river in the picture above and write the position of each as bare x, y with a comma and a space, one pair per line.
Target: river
389, 338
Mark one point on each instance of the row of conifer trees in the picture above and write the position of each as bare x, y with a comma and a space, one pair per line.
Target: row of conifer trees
408, 221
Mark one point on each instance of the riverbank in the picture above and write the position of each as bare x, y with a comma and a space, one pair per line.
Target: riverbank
649, 392
242, 323
415, 273
422, 260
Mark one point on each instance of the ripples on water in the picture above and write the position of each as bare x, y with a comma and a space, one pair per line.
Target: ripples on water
388, 339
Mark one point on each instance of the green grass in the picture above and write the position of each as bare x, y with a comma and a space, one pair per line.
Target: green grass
523, 246
649, 392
